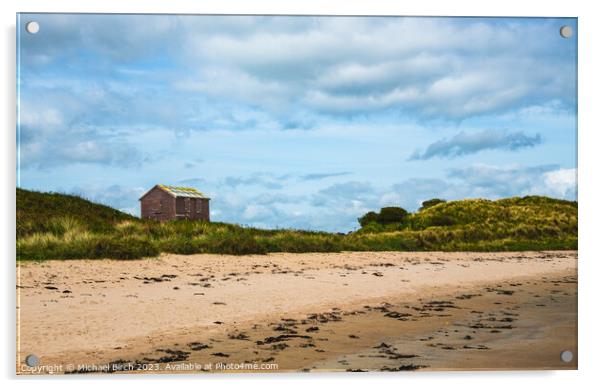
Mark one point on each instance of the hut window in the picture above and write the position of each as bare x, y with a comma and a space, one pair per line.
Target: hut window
180, 206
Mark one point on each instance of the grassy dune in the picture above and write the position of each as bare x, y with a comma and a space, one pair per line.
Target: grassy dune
58, 226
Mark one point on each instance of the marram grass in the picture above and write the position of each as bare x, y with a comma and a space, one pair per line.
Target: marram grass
58, 226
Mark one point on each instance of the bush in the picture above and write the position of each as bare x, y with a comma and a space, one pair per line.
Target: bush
372, 227
368, 218
392, 215
387, 215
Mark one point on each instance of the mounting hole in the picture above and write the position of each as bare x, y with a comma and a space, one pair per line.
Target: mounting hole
32, 360
32, 27
566, 356
566, 31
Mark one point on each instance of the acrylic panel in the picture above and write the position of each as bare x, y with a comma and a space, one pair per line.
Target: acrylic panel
264, 194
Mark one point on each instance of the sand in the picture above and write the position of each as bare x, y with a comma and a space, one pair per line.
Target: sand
355, 311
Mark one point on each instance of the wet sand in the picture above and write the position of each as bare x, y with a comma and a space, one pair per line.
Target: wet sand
360, 311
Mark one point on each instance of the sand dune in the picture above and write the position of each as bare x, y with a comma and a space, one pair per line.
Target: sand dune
335, 311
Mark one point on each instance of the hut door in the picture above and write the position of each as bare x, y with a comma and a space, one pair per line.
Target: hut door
192, 209
180, 206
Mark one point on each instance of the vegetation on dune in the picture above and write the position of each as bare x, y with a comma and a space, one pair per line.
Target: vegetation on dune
431, 202
531, 222
57, 226
54, 213
387, 215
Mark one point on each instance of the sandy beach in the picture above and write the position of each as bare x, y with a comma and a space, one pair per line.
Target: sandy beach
359, 311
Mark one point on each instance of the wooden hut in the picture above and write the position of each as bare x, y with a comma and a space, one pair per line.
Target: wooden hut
164, 203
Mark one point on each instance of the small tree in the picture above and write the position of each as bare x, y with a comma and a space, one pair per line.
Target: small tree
368, 218
431, 203
392, 215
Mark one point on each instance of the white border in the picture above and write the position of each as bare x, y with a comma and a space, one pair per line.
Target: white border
590, 195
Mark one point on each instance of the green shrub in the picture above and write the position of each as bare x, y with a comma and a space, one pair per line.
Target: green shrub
392, 215
387, 215
368, 218
372, 227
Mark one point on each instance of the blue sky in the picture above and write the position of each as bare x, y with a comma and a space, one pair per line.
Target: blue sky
300, 122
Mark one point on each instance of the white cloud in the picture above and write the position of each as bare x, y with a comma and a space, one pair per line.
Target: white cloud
562, 182
253, 211
496, 182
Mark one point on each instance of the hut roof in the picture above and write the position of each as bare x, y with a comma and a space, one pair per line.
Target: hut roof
179, 191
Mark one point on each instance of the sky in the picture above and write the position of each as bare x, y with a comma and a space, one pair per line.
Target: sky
297, 122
